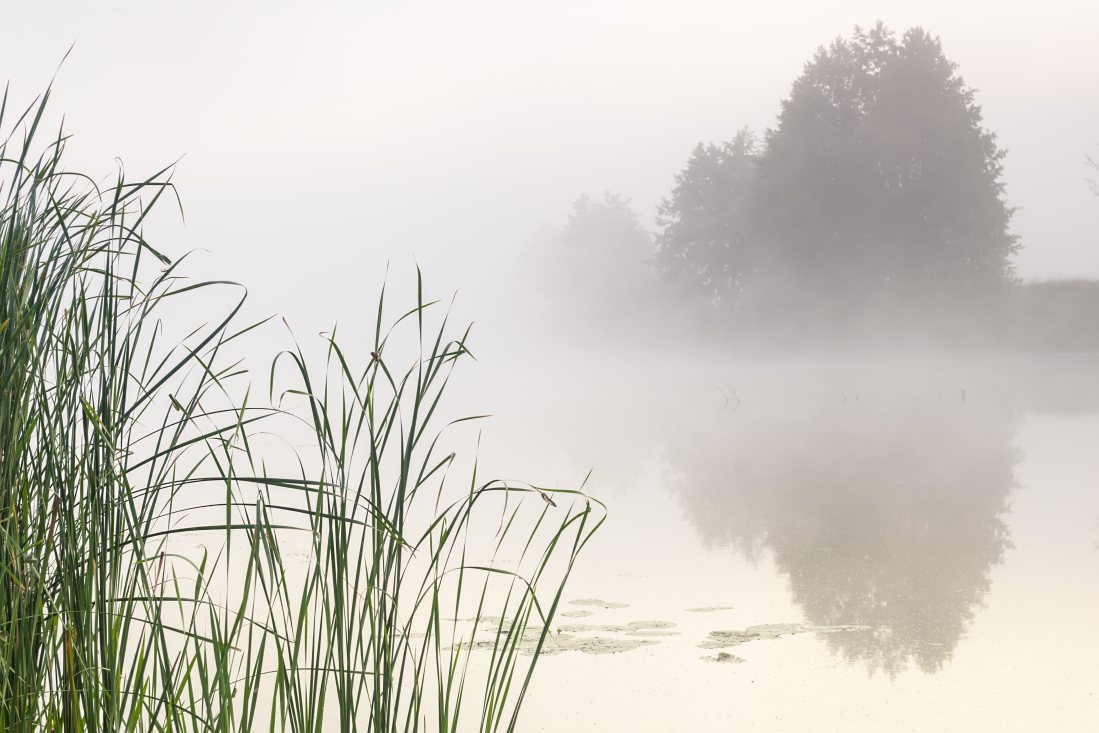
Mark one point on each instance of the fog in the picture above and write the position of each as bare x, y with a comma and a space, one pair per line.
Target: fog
454, 133
835, 377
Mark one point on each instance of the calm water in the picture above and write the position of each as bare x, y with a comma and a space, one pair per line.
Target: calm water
831, 544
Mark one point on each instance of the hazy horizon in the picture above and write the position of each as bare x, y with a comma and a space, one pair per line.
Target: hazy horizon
451, 135
832, 391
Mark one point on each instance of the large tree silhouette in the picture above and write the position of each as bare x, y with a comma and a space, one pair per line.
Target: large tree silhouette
878, 185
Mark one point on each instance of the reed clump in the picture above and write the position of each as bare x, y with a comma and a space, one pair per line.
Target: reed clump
166, 566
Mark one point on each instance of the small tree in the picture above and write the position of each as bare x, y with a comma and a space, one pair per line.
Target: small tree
604, 233
603, 253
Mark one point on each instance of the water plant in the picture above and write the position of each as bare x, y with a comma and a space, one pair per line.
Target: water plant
167, 565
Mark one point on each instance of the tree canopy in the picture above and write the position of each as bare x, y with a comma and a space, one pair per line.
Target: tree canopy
706, 235
877, 184
602, 254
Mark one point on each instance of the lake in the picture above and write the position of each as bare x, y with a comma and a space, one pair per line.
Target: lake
850, 543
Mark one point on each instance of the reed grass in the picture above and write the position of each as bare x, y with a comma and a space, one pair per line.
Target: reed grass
166, 566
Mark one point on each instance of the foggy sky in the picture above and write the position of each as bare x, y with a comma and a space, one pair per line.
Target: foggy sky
323, 139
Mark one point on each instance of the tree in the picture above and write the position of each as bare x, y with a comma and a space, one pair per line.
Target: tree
706, 235
601, 257
879, 181
878, 185
605, 230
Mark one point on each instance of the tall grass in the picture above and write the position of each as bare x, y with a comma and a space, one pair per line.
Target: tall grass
165, 565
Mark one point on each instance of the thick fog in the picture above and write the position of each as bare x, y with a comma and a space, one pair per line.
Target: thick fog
819, 314
321, 141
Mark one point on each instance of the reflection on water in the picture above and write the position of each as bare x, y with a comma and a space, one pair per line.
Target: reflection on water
841, 544
889, 516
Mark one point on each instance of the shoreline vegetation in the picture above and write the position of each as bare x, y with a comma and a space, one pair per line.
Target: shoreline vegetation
872, 213
163, 569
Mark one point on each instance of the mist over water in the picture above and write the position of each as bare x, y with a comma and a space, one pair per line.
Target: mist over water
815, 304
921, 528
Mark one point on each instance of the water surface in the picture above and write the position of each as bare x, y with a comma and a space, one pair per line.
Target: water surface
857, 543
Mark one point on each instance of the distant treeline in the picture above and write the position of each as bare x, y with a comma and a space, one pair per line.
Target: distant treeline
1055, 315
875, 203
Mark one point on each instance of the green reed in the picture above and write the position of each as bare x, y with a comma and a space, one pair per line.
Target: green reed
163, 567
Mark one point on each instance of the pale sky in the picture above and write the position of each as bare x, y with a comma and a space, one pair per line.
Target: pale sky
322, 139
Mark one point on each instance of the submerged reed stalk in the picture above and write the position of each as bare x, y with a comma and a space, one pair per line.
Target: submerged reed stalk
164, 568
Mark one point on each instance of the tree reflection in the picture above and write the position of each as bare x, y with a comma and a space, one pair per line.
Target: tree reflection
884, 516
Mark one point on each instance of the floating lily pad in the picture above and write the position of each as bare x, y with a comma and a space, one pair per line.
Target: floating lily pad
709, 609
723, 639
598, 603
